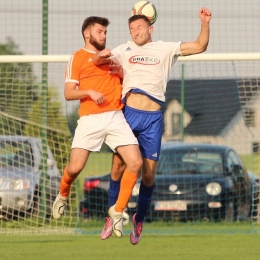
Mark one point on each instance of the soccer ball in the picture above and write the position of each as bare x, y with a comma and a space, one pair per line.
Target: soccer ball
146, 8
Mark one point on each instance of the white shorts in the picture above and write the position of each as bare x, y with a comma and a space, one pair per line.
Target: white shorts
109, 127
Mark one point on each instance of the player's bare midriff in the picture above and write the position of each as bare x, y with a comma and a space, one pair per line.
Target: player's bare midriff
141, 102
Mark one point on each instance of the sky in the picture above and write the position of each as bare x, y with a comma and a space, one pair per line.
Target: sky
235, 27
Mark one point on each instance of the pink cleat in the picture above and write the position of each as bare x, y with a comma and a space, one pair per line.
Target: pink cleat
136, 233
108, 229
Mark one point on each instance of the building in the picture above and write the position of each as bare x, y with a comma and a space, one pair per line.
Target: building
224, 111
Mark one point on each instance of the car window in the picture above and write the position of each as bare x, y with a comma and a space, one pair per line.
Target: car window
16, 153
190, 162
233, 159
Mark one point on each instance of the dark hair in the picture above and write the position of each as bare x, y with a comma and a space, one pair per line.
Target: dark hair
93, 20
137, 17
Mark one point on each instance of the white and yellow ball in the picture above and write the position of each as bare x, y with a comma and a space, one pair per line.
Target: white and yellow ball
145, 8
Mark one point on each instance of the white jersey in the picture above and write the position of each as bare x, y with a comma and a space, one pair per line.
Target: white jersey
147, 67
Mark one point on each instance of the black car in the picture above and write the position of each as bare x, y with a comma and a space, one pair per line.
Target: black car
193, 181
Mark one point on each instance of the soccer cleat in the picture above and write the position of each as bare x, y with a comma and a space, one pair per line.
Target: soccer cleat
108, 229
58, 206
136, 233
117, 219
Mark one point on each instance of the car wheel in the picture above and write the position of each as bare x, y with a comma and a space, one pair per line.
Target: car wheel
36, 202
51, 194
254, 208
36, 206
230, 213
227, 212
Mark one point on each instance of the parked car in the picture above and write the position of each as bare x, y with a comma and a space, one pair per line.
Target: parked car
193, 181
20, 176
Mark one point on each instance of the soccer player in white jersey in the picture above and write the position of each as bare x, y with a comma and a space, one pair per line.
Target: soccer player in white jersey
146, 66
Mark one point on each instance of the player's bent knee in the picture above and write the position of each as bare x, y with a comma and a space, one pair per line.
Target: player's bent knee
73, 172
148, 179
135, 164
139, 162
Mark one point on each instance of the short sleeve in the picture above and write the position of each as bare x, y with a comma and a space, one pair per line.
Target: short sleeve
175, 50
73, 69
118, 54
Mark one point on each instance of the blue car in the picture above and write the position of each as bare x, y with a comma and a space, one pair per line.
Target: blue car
193, 182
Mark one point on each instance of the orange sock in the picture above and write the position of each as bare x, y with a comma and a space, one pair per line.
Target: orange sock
126, 186
65, 184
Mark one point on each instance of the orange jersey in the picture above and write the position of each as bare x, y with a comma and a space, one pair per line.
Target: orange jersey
81, 70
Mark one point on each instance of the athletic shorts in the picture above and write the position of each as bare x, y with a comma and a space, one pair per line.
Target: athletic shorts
147, 127
109, 127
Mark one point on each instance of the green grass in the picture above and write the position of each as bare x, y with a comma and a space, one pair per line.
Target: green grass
175, 227
98, 164
91, 247
252, 163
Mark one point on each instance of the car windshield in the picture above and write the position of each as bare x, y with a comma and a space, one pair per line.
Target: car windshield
15, 153
190, 162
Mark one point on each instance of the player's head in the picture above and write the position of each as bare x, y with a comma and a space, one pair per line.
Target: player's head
140, 29
94, 31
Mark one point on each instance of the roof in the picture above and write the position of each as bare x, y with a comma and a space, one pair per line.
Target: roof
211, 103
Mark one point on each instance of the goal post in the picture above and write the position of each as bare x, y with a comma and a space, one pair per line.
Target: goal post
220, 105
198, 57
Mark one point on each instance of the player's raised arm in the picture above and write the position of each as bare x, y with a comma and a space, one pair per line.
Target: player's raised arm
102, 57
200, 45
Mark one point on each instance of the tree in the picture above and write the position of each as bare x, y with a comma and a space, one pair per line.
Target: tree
18, 87
58, 134
72, 120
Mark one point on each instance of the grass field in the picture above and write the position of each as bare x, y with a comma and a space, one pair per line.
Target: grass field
252, 163
151, 247
98, 164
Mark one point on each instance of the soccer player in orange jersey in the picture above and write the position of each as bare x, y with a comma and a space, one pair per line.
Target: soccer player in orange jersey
101, 120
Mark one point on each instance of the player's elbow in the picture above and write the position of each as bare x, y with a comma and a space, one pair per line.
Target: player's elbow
201, 47
67, 96
204, 47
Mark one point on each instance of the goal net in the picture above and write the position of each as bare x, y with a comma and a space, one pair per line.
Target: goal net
211, 99
34, 148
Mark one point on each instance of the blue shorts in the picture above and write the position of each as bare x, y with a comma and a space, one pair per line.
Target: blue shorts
147, 127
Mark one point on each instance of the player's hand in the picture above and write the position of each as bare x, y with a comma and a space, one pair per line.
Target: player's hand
115, 69
106, 53
205, 15
96, 96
